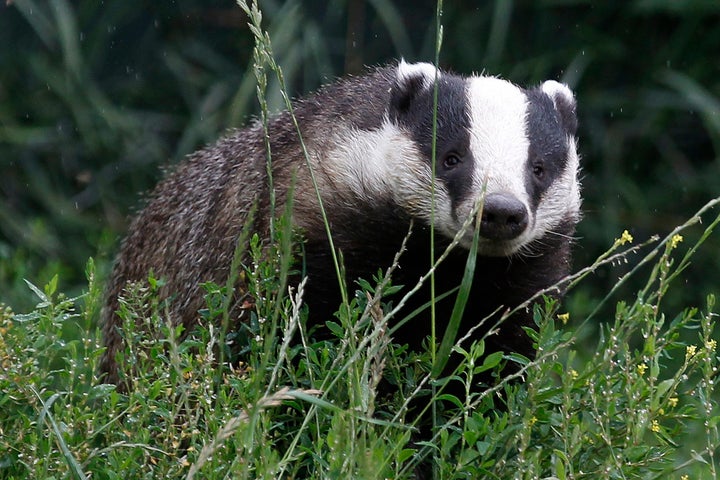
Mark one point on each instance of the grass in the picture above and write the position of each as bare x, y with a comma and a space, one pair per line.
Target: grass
641, 404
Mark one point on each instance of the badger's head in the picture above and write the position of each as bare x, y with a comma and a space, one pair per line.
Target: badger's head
514, 146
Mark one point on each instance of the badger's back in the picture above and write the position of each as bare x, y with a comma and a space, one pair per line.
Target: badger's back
187, 232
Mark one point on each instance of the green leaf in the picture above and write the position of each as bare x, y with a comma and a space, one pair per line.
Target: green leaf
405, 454
698, 457
450, 398
560, 469
490, 362
40, 294
518, 358
664, 386
713, 421
51, 286
336, 329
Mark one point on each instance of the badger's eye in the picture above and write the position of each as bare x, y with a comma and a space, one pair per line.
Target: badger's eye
538, 171
451, 160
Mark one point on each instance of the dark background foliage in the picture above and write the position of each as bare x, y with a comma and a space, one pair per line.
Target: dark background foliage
95, 97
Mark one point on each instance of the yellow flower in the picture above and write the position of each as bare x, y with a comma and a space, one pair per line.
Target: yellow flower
533, 421
685, 477
624, 238
641, 369
574, 374
673, 401
690, 351
710, 345
655, 427
563, 317
677, 238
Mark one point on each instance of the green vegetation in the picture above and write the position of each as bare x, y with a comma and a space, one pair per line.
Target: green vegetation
639, 405
623, 384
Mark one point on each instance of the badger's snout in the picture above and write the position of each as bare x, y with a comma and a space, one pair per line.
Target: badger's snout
504, 217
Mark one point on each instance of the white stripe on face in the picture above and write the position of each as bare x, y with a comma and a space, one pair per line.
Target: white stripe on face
498, 140
499, 145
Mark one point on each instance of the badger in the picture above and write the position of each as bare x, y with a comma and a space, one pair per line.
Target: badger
368, 141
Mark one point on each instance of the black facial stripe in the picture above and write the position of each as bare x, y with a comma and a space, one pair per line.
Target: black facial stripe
548, 150
453, 128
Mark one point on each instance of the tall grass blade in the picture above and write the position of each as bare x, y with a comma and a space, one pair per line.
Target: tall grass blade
463, 295
45, 413
264, 46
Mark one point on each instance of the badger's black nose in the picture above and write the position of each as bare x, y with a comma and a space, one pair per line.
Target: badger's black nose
504, 217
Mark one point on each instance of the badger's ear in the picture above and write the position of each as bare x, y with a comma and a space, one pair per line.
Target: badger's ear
564, 101
411, 80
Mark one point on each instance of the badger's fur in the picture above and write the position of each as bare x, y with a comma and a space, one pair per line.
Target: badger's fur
369, 141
